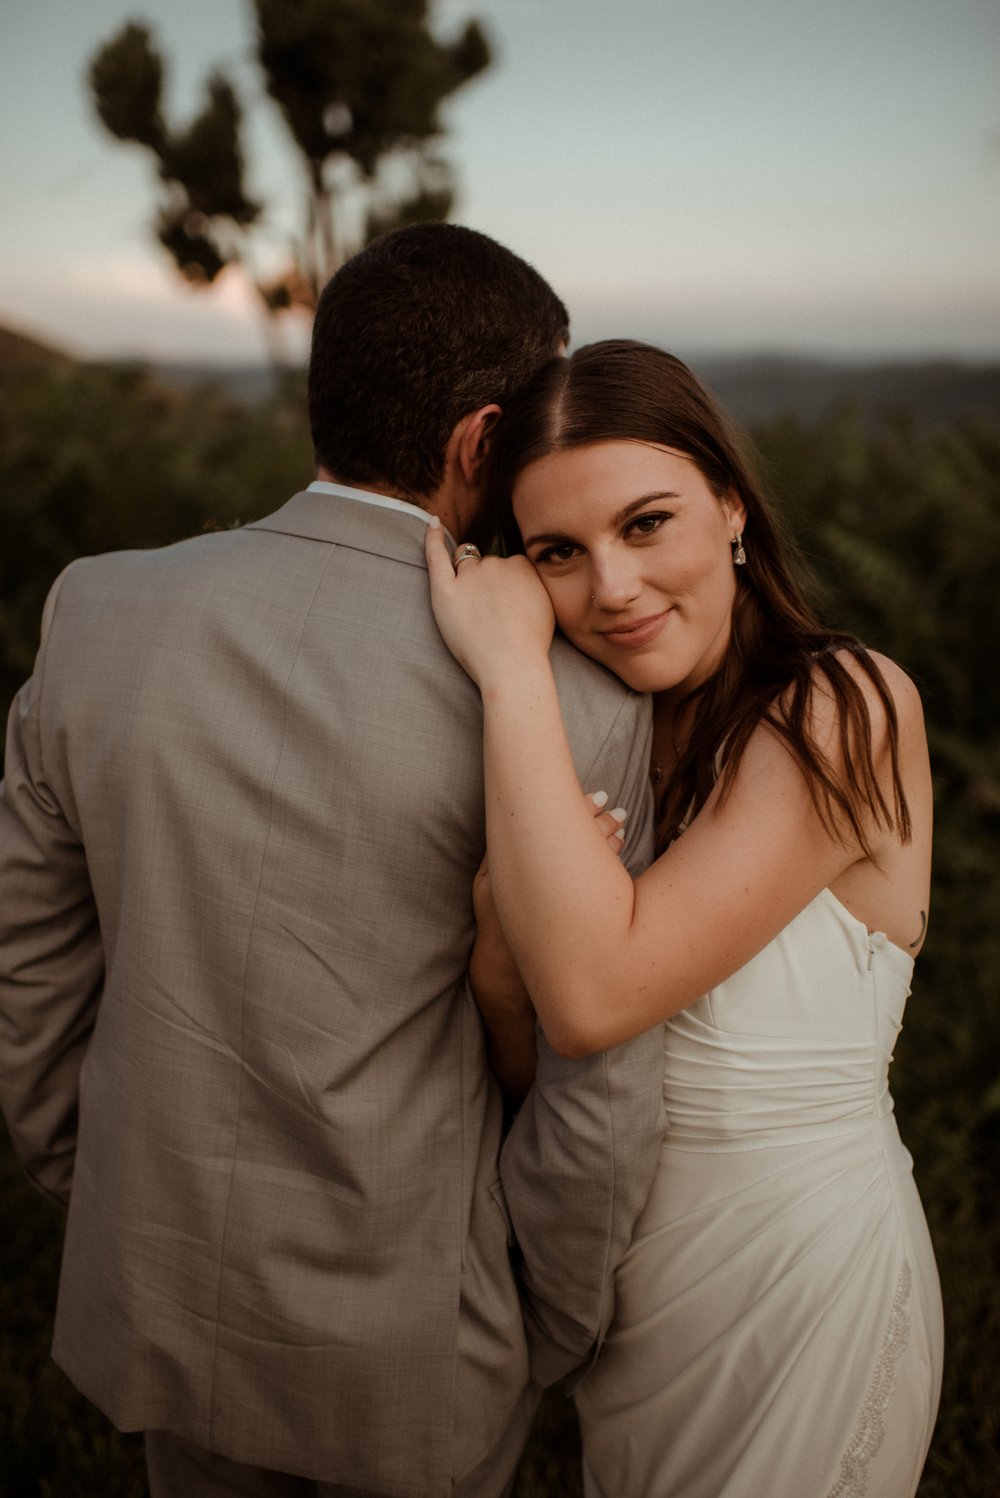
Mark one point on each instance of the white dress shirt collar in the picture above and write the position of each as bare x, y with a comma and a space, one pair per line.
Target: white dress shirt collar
367, 497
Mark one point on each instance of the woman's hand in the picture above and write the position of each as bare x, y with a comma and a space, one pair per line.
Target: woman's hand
493, 612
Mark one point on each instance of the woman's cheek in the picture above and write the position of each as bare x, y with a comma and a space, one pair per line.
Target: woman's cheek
566, 603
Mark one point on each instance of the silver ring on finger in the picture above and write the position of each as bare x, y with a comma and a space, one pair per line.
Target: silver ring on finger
467, 553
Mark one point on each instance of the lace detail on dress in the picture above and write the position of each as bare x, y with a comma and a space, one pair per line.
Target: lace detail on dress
869, 1432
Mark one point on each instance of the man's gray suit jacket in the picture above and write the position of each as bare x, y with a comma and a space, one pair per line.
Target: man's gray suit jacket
241, 816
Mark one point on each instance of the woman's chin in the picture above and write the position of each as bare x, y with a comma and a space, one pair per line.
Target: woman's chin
642, 680
640, 673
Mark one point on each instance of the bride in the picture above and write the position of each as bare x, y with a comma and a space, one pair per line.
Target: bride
778, 1319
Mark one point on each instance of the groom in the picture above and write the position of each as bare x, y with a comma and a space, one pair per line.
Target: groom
238, 833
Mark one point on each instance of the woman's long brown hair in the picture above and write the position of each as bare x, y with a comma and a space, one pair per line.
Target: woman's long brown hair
778, 653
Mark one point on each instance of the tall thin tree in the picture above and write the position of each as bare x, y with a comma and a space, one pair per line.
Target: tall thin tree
359, 84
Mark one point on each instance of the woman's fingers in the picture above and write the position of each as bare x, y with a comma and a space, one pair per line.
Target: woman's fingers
611, 823
439, 563
493, 612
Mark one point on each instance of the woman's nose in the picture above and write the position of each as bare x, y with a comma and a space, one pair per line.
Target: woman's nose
614, 583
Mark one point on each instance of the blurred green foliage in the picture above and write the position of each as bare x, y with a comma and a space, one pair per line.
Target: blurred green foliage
95, 460
902, 524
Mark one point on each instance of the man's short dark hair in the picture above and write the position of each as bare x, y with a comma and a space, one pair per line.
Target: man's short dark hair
425, 326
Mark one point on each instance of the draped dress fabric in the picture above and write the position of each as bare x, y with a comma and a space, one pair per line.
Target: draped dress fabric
778, 1326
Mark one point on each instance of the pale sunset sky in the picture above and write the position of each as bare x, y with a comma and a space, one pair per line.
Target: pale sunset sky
806, 176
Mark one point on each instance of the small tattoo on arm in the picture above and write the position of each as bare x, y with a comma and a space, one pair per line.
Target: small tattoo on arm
923, 928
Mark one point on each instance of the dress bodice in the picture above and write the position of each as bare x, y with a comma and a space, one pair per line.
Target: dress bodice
796, 1044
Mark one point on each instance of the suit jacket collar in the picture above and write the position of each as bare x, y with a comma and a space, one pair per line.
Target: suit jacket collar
339, 520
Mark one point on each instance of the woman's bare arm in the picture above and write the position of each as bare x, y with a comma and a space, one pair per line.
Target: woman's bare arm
501, 996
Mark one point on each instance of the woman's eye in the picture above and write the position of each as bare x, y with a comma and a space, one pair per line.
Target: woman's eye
563, 552
647, 524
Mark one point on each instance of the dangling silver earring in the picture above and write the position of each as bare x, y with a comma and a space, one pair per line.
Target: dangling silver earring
739, 555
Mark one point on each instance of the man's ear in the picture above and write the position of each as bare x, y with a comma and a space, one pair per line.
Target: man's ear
474, 438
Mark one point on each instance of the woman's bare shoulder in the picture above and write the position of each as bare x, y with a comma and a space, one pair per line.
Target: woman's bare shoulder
899, 688
902, 691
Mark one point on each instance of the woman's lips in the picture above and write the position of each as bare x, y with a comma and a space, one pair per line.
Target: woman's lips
631, 636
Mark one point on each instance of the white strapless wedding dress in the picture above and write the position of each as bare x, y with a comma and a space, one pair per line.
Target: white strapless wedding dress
778, 1328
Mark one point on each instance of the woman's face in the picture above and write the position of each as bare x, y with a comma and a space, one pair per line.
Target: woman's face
634, 550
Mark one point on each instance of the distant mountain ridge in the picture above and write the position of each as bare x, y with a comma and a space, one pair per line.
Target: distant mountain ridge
20, 352
753, 387
759, 387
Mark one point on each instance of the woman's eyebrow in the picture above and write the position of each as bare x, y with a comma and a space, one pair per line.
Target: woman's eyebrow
619, 518
627, 511
544, 536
